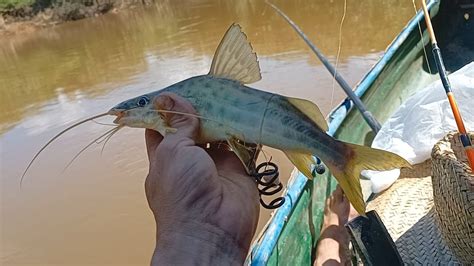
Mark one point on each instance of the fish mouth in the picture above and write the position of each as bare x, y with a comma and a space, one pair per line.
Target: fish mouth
119, 113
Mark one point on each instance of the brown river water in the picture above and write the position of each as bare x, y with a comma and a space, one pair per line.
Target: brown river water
95, 212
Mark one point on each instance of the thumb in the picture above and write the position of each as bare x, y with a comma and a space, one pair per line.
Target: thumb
182, 116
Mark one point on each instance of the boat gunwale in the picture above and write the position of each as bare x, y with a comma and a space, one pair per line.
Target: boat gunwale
263, 248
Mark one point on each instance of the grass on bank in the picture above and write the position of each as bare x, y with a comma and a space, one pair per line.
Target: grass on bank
15, 4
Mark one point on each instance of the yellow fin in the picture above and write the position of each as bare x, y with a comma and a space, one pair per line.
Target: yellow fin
311, 110
350, 184
302, 162
347, 174
246, 153
234, 58
375, 159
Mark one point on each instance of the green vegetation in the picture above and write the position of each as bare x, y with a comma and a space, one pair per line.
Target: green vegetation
56, 10
14, 4
26, 7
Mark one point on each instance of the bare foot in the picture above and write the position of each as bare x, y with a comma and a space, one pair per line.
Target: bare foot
333, 242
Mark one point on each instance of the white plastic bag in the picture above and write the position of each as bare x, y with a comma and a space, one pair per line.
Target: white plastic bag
421, 121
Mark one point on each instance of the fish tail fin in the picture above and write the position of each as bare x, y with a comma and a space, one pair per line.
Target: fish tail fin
362, 158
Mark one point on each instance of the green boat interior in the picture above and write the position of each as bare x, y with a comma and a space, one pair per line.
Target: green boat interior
410, 70
405, 73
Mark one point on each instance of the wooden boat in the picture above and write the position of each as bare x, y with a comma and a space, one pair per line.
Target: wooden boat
291, 235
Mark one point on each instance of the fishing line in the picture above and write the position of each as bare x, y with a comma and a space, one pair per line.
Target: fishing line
54, 138
263, 118
421, 38
338, 52
200, 117
187, 114
267, 173
264, 153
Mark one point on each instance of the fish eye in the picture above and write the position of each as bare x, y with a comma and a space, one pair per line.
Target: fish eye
143, 101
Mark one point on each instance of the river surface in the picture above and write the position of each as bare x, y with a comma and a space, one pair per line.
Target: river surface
95, 212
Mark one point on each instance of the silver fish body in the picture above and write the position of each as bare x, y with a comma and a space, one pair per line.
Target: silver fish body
230, 109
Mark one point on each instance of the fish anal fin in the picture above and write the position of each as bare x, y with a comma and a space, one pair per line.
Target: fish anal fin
247, 153
302, 161
311, 110
234, 58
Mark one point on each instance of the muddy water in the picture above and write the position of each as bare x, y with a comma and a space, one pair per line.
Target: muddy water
95, 212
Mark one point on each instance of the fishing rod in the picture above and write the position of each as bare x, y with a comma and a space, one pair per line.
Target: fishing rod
368, 117
465, 140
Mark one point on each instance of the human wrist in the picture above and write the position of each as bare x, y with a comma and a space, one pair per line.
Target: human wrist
196, 243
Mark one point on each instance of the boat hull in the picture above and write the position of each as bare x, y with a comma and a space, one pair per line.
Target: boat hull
291, 235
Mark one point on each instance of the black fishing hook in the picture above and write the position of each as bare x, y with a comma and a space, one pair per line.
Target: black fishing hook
266, 175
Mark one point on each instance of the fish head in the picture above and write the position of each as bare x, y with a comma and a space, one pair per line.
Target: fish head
139, 112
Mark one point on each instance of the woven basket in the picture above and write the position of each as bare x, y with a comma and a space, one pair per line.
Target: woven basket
422, 234
453, 190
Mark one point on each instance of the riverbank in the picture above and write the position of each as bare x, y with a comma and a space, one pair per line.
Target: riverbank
24, 16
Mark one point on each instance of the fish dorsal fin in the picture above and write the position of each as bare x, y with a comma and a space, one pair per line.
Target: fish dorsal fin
311, 110
234, 58
302, 162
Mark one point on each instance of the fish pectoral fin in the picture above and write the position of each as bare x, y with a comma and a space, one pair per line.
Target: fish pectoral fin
234, 58
302, 161
311, 110
246, 153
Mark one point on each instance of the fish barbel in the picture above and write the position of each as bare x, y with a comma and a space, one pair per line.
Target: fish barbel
240, 115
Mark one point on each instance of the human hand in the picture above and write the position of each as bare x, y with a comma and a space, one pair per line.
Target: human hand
205, 205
